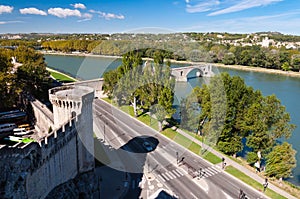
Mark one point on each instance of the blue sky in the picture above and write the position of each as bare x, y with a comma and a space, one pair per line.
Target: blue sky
114, 16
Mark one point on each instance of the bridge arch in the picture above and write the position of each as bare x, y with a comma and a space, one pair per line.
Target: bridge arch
183, 73
199, 72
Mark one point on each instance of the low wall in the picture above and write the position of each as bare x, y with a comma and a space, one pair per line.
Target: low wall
43, 116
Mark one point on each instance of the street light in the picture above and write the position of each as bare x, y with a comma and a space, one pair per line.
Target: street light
104, 124
177, 157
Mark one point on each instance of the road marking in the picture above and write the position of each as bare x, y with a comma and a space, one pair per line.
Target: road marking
215, 169
162, 179
175, 172
193, 195
165, 176
171, 174
181, 172
202, 184
227, 196
209, 172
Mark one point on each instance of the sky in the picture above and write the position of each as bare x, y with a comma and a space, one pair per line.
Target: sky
155, 16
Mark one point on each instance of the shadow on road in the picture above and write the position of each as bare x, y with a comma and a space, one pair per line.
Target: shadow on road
120, 171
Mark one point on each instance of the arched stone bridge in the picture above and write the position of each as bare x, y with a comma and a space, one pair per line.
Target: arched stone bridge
182, 73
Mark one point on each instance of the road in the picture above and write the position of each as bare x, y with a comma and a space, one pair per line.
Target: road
158, 169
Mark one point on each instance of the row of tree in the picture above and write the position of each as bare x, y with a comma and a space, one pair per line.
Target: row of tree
257, 56
149, 87
30, 77
231, 111
226, 111
70, 45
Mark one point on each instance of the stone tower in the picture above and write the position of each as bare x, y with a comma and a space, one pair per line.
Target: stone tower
76, 102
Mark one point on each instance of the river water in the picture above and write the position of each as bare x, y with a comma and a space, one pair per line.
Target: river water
287, 89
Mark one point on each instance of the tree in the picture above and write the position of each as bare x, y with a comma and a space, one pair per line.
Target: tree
33, 78
252, 157
285, 66
228, 59
295, 63
189, 113
265, 121
281, 161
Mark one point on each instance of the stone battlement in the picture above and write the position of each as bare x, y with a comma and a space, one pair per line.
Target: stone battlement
32, 170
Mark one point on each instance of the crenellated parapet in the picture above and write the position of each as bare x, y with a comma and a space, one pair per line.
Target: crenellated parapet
60, 156
69, 101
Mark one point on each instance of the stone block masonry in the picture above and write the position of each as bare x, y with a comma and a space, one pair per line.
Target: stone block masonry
32, 170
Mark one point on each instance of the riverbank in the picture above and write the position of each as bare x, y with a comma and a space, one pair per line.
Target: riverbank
236, 67
61, 77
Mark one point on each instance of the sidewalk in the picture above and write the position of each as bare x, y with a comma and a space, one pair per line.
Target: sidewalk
238, 166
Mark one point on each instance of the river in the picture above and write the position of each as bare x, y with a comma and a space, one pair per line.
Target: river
287, 89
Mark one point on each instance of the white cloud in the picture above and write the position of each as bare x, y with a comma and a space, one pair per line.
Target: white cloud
64, 12
288, 22
78, 5
201, 6
108, 16
8, 22
86, 17
243, 5
33, 11
6, 9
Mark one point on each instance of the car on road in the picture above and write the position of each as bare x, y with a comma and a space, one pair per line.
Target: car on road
147, 146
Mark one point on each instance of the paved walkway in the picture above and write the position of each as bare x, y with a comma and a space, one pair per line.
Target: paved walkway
238, 166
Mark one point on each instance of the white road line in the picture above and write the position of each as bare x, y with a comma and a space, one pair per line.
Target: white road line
179, 171
209, 171
193, 196
161, 178
215, 169
176, 173
165, 176
168, 175
171, 174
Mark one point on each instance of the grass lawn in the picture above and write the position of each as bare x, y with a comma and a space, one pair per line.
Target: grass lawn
211, 158
258, 186
61, 77
196, 148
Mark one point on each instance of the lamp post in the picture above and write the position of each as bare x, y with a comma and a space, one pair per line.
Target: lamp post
177, 157
104, 130
104, 124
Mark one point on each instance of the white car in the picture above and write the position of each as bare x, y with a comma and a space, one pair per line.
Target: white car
147, 146
21, 131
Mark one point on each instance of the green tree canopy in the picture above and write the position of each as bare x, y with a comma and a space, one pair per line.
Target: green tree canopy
281, 161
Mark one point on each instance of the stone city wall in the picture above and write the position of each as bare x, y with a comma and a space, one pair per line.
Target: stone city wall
43, 116
33, 170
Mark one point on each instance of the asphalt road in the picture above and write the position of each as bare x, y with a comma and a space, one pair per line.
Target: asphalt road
127, 136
